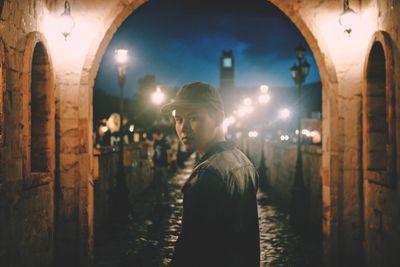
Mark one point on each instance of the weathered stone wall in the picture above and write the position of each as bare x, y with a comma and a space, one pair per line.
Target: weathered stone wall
26, 198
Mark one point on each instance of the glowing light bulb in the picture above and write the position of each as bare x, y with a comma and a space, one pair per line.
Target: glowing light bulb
348, 20
121, 56
158, 97
66, 22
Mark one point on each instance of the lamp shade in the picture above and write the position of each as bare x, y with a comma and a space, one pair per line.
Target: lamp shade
66, 22
305, 67
348, 19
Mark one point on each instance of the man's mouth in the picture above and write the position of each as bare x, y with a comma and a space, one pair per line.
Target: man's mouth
186, 139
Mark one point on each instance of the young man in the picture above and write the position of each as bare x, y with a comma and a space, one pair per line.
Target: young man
220, 219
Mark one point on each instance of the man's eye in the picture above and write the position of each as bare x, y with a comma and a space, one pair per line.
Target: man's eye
178, 119
194, 118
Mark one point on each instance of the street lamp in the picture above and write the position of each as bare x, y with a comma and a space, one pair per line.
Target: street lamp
158, 96
299, 72
121, 58
284, 114
263, 99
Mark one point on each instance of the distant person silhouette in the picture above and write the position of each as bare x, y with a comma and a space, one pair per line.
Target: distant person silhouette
160, 160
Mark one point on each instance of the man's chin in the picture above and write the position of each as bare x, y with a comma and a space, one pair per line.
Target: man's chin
189, 147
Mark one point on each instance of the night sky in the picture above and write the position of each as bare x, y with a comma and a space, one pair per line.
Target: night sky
181, 41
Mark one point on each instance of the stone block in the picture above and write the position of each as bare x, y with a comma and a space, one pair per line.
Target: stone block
376, 123
69, 171
85, 170
376, 160
68, 128
69, 145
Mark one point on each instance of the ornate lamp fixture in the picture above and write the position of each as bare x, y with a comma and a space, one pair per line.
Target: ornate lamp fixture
67, 23
300, 70
348, 17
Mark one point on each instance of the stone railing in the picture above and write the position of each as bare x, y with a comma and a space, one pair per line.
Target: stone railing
138, 175
281, 161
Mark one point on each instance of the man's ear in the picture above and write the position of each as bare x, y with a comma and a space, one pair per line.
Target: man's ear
219, 117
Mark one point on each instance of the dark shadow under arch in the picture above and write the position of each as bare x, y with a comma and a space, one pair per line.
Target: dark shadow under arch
2, 110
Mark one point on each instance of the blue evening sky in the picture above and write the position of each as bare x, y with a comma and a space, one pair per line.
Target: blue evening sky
181, 41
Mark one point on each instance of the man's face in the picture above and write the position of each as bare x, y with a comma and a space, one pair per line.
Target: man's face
195, 127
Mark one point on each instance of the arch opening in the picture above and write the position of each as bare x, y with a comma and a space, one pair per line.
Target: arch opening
379, 149
39, 119
327, 71
40, 111
329, 104
376, 109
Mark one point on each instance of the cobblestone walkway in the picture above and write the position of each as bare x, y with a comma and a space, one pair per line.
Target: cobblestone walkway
148, 240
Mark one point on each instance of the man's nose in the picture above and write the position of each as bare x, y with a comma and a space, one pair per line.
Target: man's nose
186, 126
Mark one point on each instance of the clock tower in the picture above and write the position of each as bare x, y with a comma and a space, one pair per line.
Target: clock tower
227, 80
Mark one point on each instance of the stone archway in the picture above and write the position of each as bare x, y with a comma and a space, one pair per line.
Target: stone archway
379, 174
330, 162
331, 134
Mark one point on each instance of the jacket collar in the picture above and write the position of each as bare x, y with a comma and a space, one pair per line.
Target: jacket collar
216, 148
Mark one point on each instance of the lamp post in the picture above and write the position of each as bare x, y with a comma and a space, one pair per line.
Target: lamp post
263, 99
299, 72
121, 58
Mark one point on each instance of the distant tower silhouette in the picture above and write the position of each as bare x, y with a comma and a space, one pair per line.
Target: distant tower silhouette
227, 80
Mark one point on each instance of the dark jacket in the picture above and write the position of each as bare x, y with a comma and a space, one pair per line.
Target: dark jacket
220, 219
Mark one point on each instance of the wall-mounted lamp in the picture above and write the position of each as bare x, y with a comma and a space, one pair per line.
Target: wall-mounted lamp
67, 23
347, 17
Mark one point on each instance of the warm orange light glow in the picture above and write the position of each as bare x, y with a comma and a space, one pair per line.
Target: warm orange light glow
264, 89
284, 114
264, 98
247, 101
253, 134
